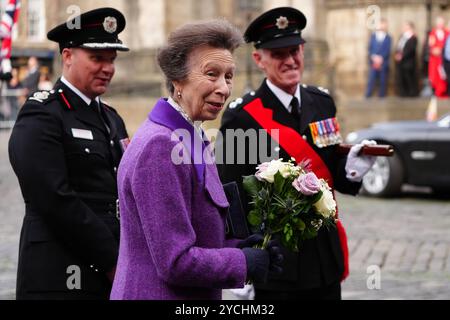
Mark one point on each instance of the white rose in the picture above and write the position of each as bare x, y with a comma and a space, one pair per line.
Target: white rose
268, 172
285, 170
326, 206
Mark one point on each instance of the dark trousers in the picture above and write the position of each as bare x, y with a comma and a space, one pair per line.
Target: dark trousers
380, 75
406, 81
332, 292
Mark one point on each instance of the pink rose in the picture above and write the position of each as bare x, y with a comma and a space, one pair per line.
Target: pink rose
307, 184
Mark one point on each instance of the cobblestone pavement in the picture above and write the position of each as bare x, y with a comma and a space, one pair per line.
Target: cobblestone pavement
406, 241
11, 215
408, 238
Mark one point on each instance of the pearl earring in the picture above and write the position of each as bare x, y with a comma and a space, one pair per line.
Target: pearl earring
179, 95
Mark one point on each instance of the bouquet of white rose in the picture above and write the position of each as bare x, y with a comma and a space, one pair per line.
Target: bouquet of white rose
290, 201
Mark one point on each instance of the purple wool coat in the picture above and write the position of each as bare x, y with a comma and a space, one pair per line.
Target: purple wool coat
172, 243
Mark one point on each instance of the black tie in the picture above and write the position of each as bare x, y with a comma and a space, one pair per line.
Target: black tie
295, 112
100, 112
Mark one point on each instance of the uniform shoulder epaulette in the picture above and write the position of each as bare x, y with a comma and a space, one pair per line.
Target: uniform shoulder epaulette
43, 96
238, 103
317, 90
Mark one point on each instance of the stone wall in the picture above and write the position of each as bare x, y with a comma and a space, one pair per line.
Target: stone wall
335, 53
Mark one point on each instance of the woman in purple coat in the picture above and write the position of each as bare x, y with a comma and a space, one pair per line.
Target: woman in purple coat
172, 203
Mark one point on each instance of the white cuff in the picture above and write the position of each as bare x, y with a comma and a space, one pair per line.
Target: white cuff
353, 176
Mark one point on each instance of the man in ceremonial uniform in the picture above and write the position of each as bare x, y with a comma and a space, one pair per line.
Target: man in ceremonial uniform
65, 148
300, 122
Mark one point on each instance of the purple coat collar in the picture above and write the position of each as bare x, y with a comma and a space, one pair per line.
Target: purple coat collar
164, 114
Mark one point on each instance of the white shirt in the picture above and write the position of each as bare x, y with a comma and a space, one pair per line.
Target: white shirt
78, 92
380, 35
283, 96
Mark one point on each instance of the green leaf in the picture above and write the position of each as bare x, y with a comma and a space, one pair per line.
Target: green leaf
278, 183
251, 185
301, 225
316, 197
254, 218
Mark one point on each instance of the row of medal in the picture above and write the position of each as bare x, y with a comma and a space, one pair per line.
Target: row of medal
326, 133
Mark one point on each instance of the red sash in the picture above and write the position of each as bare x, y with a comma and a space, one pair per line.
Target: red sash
291, 141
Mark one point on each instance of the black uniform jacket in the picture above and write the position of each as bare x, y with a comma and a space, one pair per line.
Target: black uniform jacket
320, 260
409, 54
66, 161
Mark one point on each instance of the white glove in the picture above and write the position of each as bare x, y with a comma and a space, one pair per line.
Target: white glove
357, 166
245, 293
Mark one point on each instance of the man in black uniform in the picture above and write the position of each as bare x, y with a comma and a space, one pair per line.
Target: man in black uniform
65, 149
307, 129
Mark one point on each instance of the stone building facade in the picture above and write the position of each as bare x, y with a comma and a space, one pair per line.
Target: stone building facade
337, 35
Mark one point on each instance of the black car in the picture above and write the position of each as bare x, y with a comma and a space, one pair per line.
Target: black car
421, 158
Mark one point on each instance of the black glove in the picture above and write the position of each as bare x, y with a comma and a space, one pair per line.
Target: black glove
251, 241
258, 262
276, 258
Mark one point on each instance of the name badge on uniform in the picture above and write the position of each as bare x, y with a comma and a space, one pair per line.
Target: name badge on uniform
326, 133
82, 134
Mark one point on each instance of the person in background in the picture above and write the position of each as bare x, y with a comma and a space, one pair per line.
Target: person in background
44, 82
446, 61
405, 59
65, 148
31, 81
14, 92
379, 53
173, 209
436, 72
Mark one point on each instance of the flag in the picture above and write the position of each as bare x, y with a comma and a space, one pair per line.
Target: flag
432, 110
9, 19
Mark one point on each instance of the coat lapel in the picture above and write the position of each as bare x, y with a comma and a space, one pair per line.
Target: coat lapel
165, 115
111, 121
82, 111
